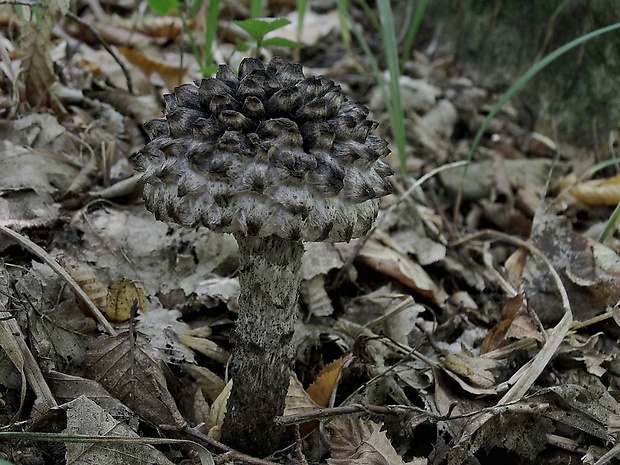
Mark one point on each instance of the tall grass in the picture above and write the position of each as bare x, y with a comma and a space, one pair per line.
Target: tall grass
529, 74
386, 28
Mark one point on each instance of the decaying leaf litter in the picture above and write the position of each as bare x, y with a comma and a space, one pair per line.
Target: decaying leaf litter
422, 346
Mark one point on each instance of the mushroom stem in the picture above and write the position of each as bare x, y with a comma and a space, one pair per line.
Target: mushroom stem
262, 352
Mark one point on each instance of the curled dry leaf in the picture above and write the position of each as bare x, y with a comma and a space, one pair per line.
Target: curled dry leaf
299, 401
210, 383
88, 281
323, 388
165, 27
121, 298
125, 369
479, 371
173, 76
598, 192
218, 411
399, 266
297, 398
204, 346
315, 296
357, 441
516, 323
590, 271
37, 67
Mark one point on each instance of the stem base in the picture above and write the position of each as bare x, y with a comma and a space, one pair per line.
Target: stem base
262, 353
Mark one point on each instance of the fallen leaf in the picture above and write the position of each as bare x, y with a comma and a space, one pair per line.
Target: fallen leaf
218, 411
392, 263
598, 192
121, 298
84, 417
323, 387
204, 346
67, 388
125, 369
361, 442
88, 281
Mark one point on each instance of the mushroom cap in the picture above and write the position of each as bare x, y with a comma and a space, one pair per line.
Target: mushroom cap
267, 152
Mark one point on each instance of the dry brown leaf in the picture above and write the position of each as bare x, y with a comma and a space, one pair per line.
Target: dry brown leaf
516, 323
210, 383
218, 411
322, 389
598, 192
392, 263
361, 442
115, 33
121, 298
297, 398
477, 370
165, 27
590, 271
67, 388
204, 346
125, 369
315, 296
37, 67
171, 75
495, 337
87, 418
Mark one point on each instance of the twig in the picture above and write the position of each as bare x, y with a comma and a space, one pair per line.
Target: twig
105, 45
528, 373
228, 455
298, 447
53, 264
395, 410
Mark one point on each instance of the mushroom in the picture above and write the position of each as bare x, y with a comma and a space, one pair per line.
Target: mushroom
277, 159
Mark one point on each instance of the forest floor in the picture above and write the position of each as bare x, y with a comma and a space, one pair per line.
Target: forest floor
477, 323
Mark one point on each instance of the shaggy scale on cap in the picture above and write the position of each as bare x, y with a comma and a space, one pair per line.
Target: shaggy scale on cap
270, 152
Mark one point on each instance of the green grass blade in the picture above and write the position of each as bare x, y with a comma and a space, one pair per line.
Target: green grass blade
397, 116
529, 74
302, 5
343, 8
370, 15
610, 227
212, 15
413, 30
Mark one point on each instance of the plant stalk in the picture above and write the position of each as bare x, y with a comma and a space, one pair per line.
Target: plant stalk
262, 350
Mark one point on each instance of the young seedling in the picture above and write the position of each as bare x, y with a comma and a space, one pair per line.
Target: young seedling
277, 159
258, 28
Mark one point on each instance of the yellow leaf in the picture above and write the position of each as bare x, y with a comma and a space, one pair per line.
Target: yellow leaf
121, 297
320, 391
598, 192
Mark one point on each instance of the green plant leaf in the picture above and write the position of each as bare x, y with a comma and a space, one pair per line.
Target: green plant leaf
163, 7
281, 42
243, 46
259, 27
